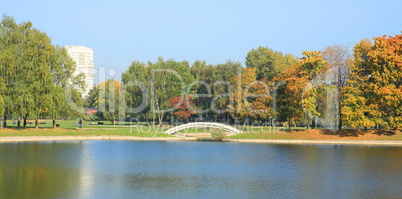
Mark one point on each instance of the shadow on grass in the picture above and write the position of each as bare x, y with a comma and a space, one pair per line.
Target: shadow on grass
33, 128
291, 130
385, 132
357, 132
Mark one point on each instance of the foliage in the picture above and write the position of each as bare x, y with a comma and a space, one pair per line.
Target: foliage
34, 72
37, 80
183, 107
376, 84
268, 63
252, 98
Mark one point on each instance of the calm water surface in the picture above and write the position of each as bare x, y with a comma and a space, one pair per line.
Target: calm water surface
136, 169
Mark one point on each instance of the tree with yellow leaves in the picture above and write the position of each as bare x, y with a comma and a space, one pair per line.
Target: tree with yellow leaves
375, 85
251, 98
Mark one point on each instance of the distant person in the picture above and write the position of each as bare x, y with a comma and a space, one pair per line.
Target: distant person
80, 123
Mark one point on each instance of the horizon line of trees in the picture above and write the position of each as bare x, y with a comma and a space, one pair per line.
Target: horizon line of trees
331, 88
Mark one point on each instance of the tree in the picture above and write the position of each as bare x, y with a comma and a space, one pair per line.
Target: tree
136, 82
374, 95
252, 98
168, 79
290, 94
222, 89
269, 63
107, 100
338, 59
312, 66
183, 107
386, 85
62, 68
356, 109
202, 88
25, 59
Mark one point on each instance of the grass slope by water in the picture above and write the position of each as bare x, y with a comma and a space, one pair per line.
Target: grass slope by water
69, 128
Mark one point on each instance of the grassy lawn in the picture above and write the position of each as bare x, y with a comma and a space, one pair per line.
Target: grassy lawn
69, 128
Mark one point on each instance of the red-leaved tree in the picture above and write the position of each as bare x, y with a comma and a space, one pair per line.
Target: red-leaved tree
184, 106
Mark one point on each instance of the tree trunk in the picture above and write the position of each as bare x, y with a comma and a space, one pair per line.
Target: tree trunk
19, 122
24, 124
160, 121
1, 122
4, 121
54, 123
36, 123
308, 122
289, 123
340, 121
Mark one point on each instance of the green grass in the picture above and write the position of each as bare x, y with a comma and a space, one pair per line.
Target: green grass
69, 128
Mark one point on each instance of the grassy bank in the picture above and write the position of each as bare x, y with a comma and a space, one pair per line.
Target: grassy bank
69, 128
323, 134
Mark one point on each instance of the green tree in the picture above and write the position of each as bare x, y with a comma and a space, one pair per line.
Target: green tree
201, 89
107, 100
136, 87
168, 79
63, 68
223, 90
269, 63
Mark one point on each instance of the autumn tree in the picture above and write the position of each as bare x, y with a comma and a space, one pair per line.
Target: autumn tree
183, 107
290, 94
356, 109
311, 67
252, 98
376, 84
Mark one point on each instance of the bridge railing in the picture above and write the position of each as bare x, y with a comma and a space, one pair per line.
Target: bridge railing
203, 125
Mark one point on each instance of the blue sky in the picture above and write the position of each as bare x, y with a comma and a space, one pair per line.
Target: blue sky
120, 31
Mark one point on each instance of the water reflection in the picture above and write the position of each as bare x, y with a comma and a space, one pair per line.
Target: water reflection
121, 169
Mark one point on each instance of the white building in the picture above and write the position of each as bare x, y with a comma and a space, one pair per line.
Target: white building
84, 60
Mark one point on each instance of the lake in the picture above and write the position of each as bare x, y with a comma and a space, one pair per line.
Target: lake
163, 169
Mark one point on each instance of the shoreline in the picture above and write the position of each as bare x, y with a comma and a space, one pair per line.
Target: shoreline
101, 137
133, 138
320, 142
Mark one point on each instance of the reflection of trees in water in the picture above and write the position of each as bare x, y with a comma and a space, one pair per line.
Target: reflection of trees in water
38, 169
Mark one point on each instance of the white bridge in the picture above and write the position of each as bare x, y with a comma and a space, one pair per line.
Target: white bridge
202, 125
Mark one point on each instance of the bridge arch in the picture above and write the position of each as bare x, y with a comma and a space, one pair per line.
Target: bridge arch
202, 125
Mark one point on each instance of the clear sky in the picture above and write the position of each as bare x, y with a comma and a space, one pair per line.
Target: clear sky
120, 31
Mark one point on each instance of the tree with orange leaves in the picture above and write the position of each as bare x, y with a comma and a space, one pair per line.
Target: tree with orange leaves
376, 83
183, 107
251, 99
298, 97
